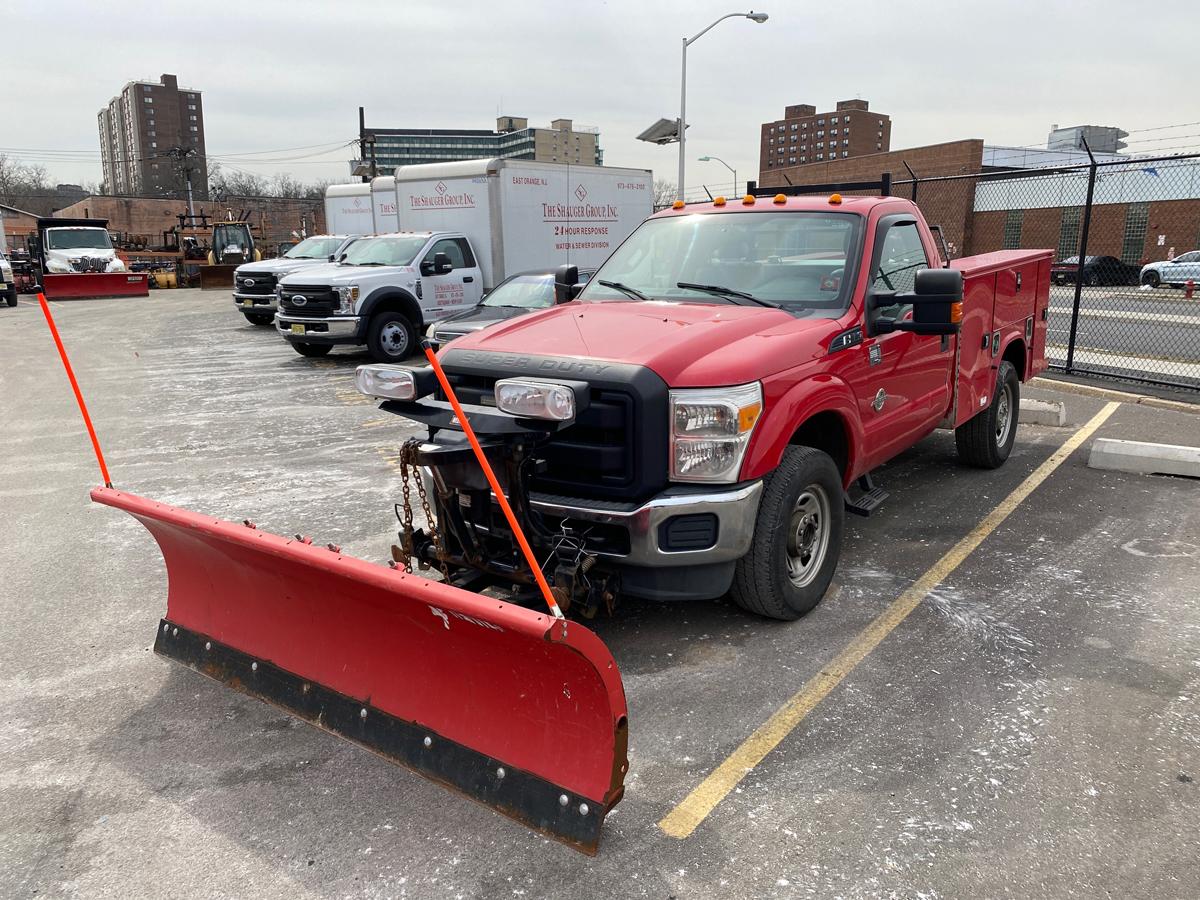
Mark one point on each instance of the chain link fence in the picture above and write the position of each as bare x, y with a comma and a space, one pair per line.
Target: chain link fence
1125, 284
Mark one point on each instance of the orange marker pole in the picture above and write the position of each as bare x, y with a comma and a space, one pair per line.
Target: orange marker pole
87, 420
491, 477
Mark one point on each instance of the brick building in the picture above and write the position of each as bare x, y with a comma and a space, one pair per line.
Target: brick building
804, 135
19, 225
152, 140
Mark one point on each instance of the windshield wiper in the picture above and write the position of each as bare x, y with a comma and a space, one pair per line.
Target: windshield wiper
624, 289
726, 292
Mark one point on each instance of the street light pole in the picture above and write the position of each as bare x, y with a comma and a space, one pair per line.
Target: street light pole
726, 165
752, 16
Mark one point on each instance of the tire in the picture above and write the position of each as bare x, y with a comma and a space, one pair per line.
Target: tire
260, 318
312, 350
772, 579
10, 296
986, 440
1092, 280
391, 337
1151, 278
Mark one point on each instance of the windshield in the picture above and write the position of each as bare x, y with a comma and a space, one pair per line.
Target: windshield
795, 260
77, 239
314, 248
385, 251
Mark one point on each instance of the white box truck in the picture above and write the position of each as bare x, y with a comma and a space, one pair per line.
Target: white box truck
383, 204
348, 209
464, 227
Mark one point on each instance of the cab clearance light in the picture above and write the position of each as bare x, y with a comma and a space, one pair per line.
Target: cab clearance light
748, 200
678, 204
835, 199
718, 201
780, 198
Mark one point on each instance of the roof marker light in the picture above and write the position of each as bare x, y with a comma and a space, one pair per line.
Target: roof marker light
678, 204
748, 200
718, 201
835, 199
781, 198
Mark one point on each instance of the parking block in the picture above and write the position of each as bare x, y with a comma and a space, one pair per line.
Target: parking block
1143, 458
1043, 412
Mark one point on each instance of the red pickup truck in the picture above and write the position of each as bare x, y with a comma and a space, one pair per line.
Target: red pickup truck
700, 417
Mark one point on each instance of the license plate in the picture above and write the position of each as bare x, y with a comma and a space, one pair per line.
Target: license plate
297, 329
247, 303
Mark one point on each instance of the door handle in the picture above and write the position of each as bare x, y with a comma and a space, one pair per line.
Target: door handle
468, 279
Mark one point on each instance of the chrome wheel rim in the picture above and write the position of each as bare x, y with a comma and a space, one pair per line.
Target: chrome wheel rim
394, 338
1003, 415
808, 535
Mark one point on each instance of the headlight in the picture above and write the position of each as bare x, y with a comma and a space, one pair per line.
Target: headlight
386, 382
535, 399
347, 296
710, 430
431, 332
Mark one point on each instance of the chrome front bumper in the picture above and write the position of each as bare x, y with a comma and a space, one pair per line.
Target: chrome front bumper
735, 509
336, 327
262, 302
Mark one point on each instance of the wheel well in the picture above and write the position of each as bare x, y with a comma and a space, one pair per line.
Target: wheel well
826, 432
397, 302
1015, 354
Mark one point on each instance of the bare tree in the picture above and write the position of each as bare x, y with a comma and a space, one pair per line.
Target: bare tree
663, 193
25, 186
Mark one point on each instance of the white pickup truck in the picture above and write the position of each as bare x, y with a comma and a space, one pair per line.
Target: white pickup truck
254, 283
464, 228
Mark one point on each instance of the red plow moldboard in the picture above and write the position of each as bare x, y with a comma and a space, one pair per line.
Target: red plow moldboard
514, 708
95, 285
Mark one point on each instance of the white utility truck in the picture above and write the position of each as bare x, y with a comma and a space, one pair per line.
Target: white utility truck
464, 228
348, 209
254, 283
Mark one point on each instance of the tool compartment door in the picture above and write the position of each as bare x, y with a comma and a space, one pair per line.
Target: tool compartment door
975, 376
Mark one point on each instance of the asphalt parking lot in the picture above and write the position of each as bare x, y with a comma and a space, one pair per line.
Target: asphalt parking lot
1031, 728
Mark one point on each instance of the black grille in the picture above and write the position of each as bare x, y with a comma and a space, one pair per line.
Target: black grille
263, 284
616, 449
319, 299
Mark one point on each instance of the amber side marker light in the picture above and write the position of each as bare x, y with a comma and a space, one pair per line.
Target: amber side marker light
718, 201
955, 313
835, 199
748, 200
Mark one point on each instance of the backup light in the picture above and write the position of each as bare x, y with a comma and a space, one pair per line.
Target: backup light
535, 399
386, 382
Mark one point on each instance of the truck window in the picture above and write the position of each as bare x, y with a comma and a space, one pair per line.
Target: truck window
456, 249
384, 251
77, 239
802, 261
901, 256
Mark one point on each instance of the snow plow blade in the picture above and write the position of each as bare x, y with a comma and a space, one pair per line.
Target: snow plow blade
515, 709
95, 286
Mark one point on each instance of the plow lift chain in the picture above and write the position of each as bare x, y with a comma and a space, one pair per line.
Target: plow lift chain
410, 472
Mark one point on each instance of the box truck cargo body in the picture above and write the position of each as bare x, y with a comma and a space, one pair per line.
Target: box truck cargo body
348, 209
383, 204
525, 215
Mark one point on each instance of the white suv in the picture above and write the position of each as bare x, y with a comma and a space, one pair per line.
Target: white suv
1174, 272
8, 286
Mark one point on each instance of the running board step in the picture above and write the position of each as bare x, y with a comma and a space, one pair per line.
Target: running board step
866, 503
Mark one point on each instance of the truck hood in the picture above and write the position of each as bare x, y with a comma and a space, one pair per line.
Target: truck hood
280, 267
334, 274
686, 344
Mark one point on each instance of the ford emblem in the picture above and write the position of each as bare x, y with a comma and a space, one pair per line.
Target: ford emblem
248, 282
299, 300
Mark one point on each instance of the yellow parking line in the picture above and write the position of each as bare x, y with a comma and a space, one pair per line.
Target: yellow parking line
684, 818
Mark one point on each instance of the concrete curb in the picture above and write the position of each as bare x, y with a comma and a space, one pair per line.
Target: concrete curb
1043, 412
1145, 459
1070, 387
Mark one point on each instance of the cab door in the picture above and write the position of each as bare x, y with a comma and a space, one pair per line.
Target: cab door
901, 381
451, 291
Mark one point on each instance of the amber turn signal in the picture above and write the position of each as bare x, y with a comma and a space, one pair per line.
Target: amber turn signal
955, 313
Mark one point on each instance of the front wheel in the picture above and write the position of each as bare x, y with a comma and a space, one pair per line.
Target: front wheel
312, 349
391, 337
797, 538
10, 296
260, 318
1092, 280
986, 440
1151, 279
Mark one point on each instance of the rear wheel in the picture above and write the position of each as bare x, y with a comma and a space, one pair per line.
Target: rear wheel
797, 538
312, 349
10, 296
260, 318
1151, 278
391, 337
986, 440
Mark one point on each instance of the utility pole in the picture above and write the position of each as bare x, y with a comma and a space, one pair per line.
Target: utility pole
366, 147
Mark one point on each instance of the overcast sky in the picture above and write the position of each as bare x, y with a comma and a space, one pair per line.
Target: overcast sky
292, 74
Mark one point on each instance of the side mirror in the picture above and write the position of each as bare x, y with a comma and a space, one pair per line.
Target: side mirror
936, 301
565, 279
439, 265
333, 257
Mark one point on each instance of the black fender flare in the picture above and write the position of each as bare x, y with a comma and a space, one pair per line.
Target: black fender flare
389, 297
